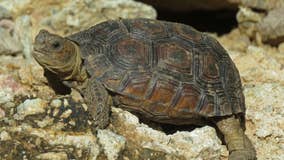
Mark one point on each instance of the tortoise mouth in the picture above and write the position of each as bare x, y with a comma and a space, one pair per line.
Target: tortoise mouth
39, 49
38, 54
42, 57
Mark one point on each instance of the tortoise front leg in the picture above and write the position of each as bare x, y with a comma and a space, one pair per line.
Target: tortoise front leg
98, 101
238, 144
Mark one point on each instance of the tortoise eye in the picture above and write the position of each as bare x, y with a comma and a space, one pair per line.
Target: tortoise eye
56, 45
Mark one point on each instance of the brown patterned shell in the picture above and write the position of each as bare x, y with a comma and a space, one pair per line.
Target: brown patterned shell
161, 69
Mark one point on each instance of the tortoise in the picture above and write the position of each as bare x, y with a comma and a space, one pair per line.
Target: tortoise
163, 71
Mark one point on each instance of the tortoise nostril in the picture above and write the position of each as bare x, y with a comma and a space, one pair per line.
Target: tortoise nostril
41, 37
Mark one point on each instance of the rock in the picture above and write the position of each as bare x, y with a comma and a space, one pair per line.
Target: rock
4, 13
56, 103
235, 41
4, 136
2, 113
191, 5
23, 29
257, 66
65, 17
281, 48
112, 143
248, 21
265, 121
14, 6
271, 28
81, 145
8, 44
9, 89
201, 143
263, 28
52, 156
260, 4
44, 122
30, 107
5, 96
66, 114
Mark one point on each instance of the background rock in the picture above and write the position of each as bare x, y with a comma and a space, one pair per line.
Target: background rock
4, 13
260, 4
9, 44
191, 5
271, 27
261, 26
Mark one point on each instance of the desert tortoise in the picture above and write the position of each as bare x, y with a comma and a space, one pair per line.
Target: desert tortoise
166, 72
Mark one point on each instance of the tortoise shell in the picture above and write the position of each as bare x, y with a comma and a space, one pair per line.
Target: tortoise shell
162, 69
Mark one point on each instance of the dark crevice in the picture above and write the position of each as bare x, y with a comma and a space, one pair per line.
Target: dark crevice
220, 21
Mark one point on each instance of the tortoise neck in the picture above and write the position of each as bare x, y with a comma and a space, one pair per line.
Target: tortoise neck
78, 72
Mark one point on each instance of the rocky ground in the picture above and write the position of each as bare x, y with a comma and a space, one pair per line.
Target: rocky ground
37, 124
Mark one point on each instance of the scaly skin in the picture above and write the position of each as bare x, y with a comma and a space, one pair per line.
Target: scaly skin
238, 144
98, 101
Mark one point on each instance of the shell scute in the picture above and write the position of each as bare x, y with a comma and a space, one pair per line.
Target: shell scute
150, 29
175, 57
130, 53
188, 100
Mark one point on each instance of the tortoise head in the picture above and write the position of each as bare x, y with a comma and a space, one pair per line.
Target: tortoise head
59, 55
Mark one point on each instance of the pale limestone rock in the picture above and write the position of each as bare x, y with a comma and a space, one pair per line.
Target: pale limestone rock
53, 156
257, 65
2, 113
65, 17
262, 27
23, 29
281, 48
30, 107
260, 4
9, 45
14, 6
81, 141
56, 103
6, 96
191, 5
248, 21
271, 27
31, 73
235, 42
265, 120
112, 143
44, 122
9, 87
247, 15
4, 136
66, 114
4, 13
201, 143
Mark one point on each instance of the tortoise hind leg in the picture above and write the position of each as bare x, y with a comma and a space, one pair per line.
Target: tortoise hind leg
238, 144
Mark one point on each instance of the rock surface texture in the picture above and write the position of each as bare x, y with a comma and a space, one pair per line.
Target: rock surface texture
37, 124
